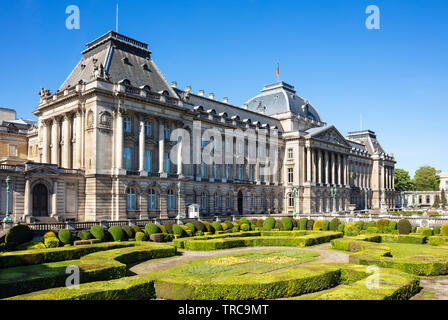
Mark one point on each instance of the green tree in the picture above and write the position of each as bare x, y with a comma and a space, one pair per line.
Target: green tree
403, 181
426, 179
436, 202
443, 199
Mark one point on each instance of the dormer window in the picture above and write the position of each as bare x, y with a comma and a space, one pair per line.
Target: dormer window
125, 60
145, 67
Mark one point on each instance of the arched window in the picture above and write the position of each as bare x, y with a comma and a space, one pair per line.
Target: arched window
171, 200
204, 200
131, 199
152, 199
229, 201
290, 199
217, 200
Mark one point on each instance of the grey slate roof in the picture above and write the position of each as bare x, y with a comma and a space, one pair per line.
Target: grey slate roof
122, 58
367, 138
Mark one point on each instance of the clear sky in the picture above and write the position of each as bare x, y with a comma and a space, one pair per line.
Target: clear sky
395, 77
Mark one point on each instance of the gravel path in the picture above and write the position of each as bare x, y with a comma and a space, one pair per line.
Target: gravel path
185, 256
435, 288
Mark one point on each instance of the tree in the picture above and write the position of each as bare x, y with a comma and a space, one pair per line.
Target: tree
443, 198
426, 179
436, 202
403, 181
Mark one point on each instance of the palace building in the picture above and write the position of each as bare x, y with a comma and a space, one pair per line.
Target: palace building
101, 150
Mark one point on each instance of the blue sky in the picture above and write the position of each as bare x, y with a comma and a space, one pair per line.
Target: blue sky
395, 77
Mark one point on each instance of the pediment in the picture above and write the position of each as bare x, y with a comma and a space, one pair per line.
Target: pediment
42, 169
330, 135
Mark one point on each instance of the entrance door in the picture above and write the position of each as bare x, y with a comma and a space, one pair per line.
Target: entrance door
240, 202
40, 201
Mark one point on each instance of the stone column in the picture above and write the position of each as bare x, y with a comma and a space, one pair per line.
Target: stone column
339, 169
179, 161
321, 170
81, 136
66, 142
333, 171
161, 149
119, 139
308, 164
45, 142
141, 148
54, 198
78, 141
55, 142
313, 166
27, 204
327, 168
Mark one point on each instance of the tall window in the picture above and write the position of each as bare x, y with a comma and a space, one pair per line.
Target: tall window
215, 171
217, 200
240, 172
261, 202
202, 169
204, 200
148, 128
127, 159
131, 199
251, 172
127, 124
260, 174
290, 175
252, 201
152, 199
229, 201
147, 163
166, 161
171, 200
166, 132
227, 171
291, 199
289, 153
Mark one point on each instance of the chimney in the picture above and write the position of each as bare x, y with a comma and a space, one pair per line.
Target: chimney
225, 100
174, 84
201, 93
211, 95
245, 106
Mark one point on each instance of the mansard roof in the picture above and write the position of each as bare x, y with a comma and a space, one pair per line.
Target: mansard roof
368, 139
118, 57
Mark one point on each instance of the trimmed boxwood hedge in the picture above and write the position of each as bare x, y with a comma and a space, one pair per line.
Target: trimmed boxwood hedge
268, 223
404, 226
84, 235
217, 226
116, 232
65, 236
287, 224
98, 232
51, 242
152, 228
128, 232
18, 234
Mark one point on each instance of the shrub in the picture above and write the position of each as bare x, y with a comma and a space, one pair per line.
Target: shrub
414, 229
216, 225
278, 225
351, 229
140, 236
116, 232
198, 225
334, 223
162, 228
50, 234
245, 227
404, 226
425, 231
236, 228
31, 245
371, 224
128, 232
381, 224
51, 242
444, 230
168, 227
239, 222
326, 225
65, 236
310, 224
152, 228
178, 230
259, 223
360, 225
208, 226
436, 230
157, 237
18, 234
98, 232
190, 227
371, 230
318, 225
287, 224
341, 227
224, 226
229, 224
84, 235
136, 229
199, 233
245, 220
294, 223
302, 223
268, 223
252, 227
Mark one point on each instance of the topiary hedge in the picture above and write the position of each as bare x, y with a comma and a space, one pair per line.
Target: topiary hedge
65, 236
51, 242
326, 225
318, 225
18, 234
245, 227
303, 223
278, 225
268, 223
259, 223
217, 226
199, 226
208, 227
351, 229
287, 224
229, 224
140, 236
190, 227
444, 230
98, 232
152, 228
116, 232
310, 224
245, 220
334, 223
178, 230
84, 235
425, 231
128, 232
404, 226
381, 224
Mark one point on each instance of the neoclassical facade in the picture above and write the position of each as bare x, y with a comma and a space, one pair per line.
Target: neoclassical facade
107, 149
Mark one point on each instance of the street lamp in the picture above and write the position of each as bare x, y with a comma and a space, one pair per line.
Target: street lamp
333, 196
295, 190
365, 200
7, 218
179, 214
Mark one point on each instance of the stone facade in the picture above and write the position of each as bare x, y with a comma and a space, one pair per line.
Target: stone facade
104, 142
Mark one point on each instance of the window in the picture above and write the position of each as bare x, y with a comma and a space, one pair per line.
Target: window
261, 202
204, 200
171, 200
428, 200
227, 171
252, 201
229, 201
127, 124
215, 171
290, 175
290, 154
148, 156
260, 174
12, 150
228, 146
251, 172
166, 162
217, 200
166, 132
148, 128
291, 199
127, 159
152, 199
131, 199
240, 172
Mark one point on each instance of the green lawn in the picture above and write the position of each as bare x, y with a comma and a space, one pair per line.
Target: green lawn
404, 250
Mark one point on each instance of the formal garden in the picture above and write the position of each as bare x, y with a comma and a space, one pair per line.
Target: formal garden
283, 258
